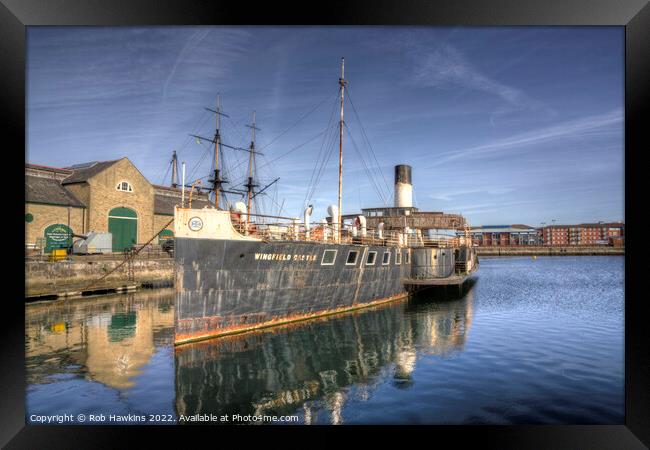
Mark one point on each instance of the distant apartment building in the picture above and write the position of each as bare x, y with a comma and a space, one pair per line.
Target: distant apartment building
505, 235
611, 233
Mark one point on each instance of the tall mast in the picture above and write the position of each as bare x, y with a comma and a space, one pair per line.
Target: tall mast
217, 142
251, 162
174, 169
217, 181
341, 123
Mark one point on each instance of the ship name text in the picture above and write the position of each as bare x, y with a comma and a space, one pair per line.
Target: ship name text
284, 257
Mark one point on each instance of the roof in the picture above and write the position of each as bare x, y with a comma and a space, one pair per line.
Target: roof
82, 172
164, 204
167, 188
590, 225
486, 227
502, 229
47, 168
520, 225
50, 191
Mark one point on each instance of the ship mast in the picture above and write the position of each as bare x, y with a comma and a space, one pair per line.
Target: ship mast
251, 162
174, 170
217, 142
342, 83
217, 181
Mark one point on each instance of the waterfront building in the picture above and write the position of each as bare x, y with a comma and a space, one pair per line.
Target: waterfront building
102, 196
113, 347
601, 233
505, 235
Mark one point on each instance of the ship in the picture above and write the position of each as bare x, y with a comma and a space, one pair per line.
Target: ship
237, 271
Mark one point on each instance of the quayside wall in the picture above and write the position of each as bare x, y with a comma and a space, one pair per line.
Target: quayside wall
530, 250
46, 276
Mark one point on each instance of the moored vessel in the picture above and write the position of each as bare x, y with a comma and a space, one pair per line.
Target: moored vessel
239, 271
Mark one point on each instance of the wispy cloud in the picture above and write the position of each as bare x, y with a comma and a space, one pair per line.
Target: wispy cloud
451, 194
194, 40
447, 67
425, 95
573, 128
207, 54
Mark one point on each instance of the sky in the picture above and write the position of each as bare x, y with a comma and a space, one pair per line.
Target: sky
501, 124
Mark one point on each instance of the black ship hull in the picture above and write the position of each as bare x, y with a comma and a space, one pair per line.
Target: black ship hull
231, 286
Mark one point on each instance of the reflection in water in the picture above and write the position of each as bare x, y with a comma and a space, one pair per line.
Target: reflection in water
307, 369
106, 340
545, 346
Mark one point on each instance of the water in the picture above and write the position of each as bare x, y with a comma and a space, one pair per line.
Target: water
530, 341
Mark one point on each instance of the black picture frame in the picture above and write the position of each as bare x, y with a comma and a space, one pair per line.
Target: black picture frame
634, 15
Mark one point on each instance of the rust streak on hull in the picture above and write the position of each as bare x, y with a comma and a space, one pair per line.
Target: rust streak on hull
190, 338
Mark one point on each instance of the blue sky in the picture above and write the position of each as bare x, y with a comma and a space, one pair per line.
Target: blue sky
504, 125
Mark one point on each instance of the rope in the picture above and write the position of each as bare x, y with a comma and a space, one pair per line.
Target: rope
130, 257
319, 170
365, 136
325, 152
299, 120
165, 176
369, 174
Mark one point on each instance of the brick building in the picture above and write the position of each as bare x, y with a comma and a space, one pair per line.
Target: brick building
505, 235
611, 233
108, 196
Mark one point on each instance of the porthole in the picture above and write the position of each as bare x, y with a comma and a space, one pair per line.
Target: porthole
352, 258
329, 257
386, 258
370, 260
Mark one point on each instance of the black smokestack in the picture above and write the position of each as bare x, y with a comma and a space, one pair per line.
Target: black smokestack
403, 174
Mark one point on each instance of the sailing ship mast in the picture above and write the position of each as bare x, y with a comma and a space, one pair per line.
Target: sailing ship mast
217, 181
217, 140
251, 162
174, 170
342, 83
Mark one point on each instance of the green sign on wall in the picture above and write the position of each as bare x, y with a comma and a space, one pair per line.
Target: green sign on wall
165, 235
57, 236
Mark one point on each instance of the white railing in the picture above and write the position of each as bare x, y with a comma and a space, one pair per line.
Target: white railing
318, 232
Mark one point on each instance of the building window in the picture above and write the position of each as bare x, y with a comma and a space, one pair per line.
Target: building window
329, 256
370, 260
408, 257
386, 259
124, 186
398, 257
29, 218
352, 258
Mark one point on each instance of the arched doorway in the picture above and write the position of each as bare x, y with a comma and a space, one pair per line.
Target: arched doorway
123, 225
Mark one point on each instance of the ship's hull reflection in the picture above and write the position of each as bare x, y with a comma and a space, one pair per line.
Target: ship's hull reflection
307, 369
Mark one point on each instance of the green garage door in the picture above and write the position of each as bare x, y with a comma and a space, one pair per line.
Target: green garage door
123, 225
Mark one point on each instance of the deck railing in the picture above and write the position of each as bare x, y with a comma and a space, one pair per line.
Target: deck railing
318, 232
